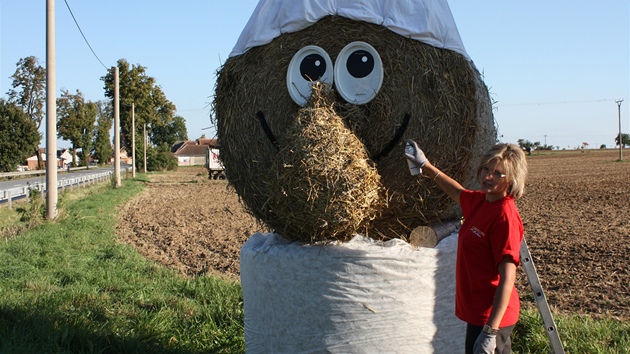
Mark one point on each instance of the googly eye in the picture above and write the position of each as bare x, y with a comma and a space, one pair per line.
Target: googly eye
358, 73
308, 65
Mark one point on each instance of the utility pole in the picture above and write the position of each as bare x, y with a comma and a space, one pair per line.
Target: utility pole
133, 140
618, 102
145, 147
51, 114
116, 129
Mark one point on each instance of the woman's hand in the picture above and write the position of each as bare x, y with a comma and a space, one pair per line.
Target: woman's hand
417, 157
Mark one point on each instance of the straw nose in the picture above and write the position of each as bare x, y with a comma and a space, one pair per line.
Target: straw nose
322, 185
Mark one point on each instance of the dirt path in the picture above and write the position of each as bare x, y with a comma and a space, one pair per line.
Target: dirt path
576, 213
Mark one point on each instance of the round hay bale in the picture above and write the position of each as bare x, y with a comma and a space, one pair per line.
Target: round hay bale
441, 92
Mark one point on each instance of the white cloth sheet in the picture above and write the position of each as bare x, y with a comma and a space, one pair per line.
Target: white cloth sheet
363, 296
429, 21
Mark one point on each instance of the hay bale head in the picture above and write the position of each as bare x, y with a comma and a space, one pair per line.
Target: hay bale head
434, 96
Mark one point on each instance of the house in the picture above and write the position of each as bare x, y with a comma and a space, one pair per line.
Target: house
190, 153
124, 158
66, 158
212, 143
31, 162
179, 144
193, 153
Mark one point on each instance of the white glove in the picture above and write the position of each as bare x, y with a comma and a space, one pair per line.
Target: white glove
417, 156
485, 343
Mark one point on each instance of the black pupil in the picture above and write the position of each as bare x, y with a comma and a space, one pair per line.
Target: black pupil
360, 64
313, 67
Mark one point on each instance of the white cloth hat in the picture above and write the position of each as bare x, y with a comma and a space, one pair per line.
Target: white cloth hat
429, 21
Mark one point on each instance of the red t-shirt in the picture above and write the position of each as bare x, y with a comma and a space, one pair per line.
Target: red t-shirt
490, 232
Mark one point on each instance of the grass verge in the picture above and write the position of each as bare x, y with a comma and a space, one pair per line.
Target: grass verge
579, 334
68, 287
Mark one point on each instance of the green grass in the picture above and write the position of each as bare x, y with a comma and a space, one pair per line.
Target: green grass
9, 222
68, 287
579, 334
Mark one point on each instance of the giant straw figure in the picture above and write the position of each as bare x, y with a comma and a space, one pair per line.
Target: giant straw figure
314, 105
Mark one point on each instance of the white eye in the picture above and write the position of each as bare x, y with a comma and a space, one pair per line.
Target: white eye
309, 64
358, 73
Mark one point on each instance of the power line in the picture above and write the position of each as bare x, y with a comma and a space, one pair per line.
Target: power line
548, 103
86, 41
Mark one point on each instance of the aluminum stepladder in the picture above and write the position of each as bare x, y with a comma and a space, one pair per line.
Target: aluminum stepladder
541, 300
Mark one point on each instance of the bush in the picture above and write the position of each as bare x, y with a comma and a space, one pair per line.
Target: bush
161, 159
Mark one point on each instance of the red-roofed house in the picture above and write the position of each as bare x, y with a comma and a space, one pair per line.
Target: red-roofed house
190, 153
62, 159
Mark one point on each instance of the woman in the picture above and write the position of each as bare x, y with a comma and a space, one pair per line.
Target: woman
488, 247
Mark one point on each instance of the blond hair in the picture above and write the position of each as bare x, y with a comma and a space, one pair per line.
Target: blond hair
515, 164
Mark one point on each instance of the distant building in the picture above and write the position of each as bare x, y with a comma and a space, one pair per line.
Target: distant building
64, 158
31, 162
212, 143
193, 153
124, 158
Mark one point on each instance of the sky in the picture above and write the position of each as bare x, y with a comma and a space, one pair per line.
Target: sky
554, 69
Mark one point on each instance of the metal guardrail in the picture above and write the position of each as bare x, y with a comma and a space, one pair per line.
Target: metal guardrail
37, 172
20, 192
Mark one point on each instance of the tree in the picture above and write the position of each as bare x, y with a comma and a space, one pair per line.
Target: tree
161, 158
527, 145
18, 133
29, 93
102, 149
75, 122
151, 106
625, 139
170, 133
134, 87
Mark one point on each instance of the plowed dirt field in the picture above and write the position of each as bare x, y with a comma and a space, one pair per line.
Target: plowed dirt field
576, 212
